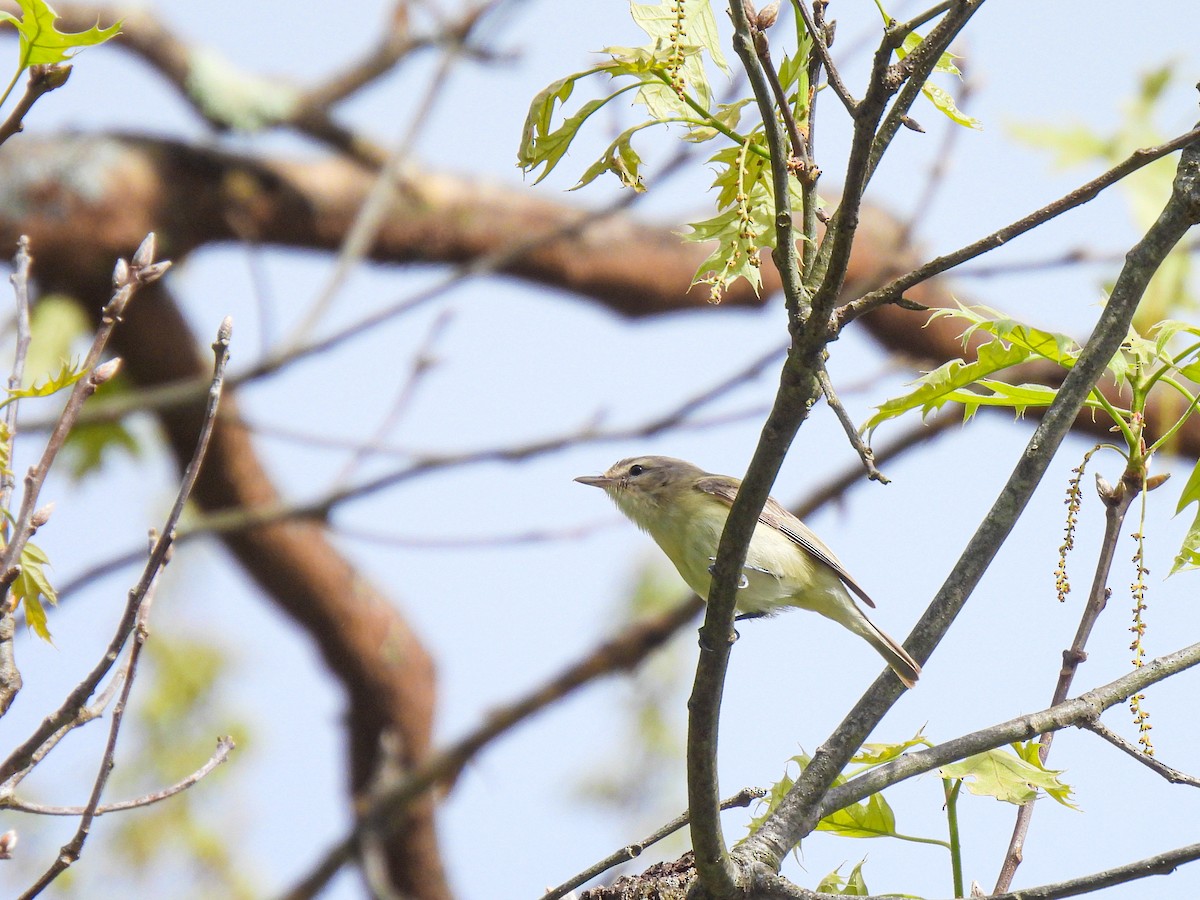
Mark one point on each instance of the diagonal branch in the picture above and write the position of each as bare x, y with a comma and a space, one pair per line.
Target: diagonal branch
796, 814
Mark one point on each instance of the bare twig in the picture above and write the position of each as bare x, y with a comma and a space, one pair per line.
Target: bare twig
10, 675
537, 536
126, 279
915, 436
744, 797
1116, 505
422, 363
895, 289
835, 78
800, 150
225, 746
865, 453
624, 651
422, 463
1175, 776
397, 44
22, 263
376, 206
140, 600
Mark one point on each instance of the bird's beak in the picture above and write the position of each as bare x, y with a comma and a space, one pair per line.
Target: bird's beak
599, 481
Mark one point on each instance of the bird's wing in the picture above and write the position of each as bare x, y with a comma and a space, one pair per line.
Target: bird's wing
775, 516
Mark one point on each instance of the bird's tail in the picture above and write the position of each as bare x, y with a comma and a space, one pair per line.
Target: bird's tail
906, 668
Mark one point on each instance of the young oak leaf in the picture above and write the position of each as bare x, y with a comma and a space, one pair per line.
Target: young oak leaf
1014, 776
853, 885
31, 585
41, 42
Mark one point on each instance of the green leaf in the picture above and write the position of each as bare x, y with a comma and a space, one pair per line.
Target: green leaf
871, 818
874, 754
1017, 397
1049, 345
728, 114
934, 389
945, 62
658, 21
944, 102
90, 444
1014, 776
744, 225
67, 376
550, 148
31, 586
1188, 556
853, 886
536, 147
621, 159
41, 43
938, 96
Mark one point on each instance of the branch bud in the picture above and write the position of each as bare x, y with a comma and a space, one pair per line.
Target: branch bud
1157, 480
154, 271
49, 76
42, 516
144, 255
8, 842
766, 16
105, 371
120, 273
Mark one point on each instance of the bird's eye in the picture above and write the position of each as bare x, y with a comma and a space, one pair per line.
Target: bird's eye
636, 470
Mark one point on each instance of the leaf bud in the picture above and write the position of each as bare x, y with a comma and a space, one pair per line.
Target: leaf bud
144, 255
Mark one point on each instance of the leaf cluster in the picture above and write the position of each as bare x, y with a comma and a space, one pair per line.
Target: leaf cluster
1168, 359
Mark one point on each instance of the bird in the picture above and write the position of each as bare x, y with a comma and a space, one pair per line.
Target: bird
684, 508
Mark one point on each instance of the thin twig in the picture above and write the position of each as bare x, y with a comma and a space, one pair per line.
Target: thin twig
225, 746
397, 44
835, 78
744, 797
762, 47
126, 279
1175, 776
1116, 505
140, 600
10, 675
536, 536
422, 363
423, 463
22, 263
894, 290
377, 204
865, 453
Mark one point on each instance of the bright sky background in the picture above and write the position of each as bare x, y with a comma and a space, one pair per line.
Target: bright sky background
519, 362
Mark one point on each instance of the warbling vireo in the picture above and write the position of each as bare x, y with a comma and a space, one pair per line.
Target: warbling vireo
684, 509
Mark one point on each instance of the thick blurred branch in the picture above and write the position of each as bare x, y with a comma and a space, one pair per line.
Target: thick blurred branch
193, 196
